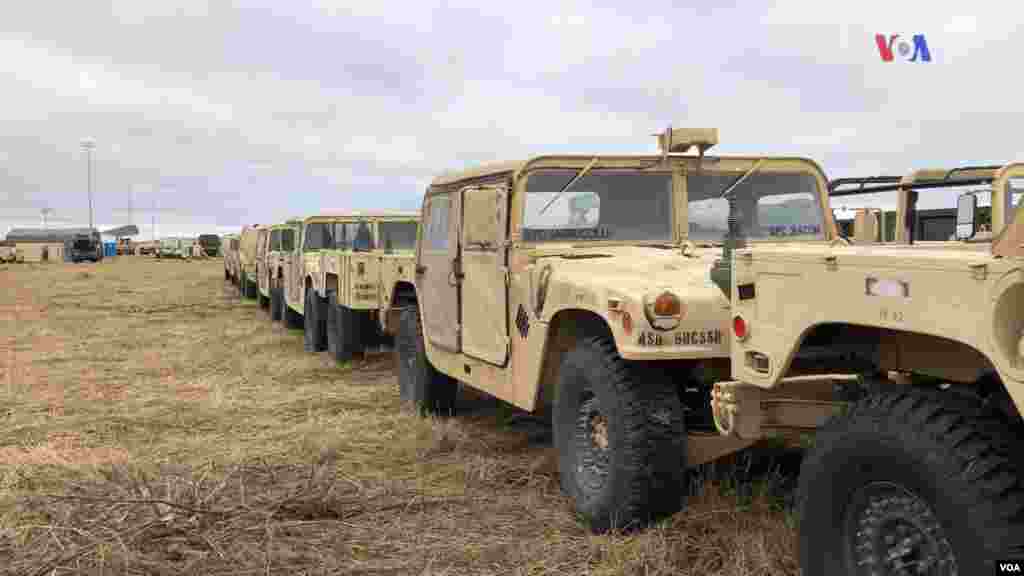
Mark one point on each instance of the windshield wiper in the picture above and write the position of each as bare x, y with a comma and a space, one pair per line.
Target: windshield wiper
740, 180
579, 175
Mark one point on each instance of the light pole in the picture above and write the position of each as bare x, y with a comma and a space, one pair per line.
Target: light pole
88, 144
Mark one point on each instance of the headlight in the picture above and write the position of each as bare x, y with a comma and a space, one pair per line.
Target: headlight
663, 311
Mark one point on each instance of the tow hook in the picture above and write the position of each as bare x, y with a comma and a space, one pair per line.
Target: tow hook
736, 408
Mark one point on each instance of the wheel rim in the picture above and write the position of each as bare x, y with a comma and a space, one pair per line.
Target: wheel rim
889, 531
592, 443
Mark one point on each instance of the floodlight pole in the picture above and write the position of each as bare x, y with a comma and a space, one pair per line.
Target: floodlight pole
88, 144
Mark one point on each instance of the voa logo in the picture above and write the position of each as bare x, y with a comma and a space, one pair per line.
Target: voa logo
1009, 568
892, 46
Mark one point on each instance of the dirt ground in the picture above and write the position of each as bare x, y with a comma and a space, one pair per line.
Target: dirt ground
152, 422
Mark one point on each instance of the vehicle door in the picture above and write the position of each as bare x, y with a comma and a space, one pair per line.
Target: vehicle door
437, 274
483, 288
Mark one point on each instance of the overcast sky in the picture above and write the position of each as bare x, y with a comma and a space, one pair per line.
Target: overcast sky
226, 113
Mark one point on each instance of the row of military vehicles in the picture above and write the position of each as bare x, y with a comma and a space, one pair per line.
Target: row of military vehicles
665, 310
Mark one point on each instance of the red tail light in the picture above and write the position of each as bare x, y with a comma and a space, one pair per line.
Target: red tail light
739, 327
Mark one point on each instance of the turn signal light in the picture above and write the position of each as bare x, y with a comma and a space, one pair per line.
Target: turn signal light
739, 328
667, 304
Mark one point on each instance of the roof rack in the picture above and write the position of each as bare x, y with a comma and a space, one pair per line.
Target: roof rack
893, 183
861, 181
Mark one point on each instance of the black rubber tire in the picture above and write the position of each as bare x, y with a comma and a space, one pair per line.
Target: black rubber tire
961, 465
314, 322
645, 456
276, 303
227, 276
419, 383
343, 335
253, 289
292, 319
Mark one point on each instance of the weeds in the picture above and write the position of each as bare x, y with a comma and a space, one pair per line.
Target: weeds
152, 423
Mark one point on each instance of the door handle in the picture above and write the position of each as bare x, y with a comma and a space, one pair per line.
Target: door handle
421, 270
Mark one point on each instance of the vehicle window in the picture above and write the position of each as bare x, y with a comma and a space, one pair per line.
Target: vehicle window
288, 239
275, 240
435, 234
341, 238
317, 237
619, 205
363, 239
1015, 192
397, 235
769, 205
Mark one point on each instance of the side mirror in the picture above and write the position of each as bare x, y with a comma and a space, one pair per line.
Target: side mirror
966, 216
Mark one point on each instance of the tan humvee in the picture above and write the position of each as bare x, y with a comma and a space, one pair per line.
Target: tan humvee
247, 258
283, 264
355, 265
921, 467
230, 251
588, 285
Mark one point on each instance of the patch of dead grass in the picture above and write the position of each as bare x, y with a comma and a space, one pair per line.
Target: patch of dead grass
194, 437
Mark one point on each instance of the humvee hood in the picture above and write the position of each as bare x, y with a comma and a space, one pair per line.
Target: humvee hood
632, 270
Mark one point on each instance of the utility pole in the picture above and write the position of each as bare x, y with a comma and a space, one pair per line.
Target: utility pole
88, 144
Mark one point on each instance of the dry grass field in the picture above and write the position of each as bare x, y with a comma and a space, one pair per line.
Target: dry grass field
151, 422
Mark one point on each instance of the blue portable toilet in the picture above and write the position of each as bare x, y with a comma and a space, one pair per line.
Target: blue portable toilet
109, 249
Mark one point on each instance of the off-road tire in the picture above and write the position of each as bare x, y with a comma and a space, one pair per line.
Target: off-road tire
638, 474
942, 466
227, 275
314, 322
342, 332
419, 383
292, 319
252, 290
276, 303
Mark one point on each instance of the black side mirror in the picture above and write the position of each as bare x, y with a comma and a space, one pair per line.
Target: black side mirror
966, 216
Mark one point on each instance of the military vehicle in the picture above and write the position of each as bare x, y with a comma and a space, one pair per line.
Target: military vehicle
230, 251
262, 271
125, 247
282, 257
354, 265
586, 288
86, 246
148, 248
247, 280
175, 248
210, 244
915, 466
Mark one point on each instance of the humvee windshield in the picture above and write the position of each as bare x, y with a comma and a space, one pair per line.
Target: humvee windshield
769, 205
275, 240
616, 205
318, 237
397, 235
287, 239
356, 236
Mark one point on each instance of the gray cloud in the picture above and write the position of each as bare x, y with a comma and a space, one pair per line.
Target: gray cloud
226, 113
